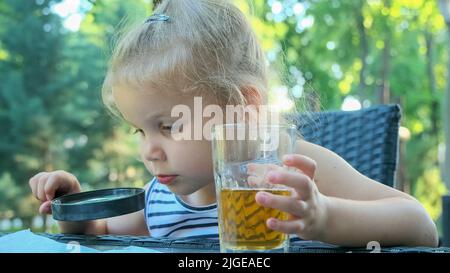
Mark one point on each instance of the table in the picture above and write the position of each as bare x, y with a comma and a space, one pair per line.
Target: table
200, 255
106, 242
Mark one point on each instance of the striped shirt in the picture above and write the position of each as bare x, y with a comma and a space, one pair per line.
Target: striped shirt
167, 216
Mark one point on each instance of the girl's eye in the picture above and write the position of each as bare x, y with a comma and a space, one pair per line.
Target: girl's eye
166, 127
140, 131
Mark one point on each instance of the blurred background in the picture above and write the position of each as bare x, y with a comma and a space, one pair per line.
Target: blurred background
345, 54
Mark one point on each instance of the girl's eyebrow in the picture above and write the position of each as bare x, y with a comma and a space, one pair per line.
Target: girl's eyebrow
155, 115
149, 117
131, 124
162, 114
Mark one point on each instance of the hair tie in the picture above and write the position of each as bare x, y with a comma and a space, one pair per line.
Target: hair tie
157, 17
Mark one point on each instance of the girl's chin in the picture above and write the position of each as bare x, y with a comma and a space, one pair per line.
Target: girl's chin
184, 187
180, 190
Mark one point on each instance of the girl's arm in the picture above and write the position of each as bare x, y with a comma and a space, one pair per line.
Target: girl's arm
392, 221
360, 210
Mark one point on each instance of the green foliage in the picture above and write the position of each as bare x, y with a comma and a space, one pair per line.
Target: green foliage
51, 110
429, 191
8, 193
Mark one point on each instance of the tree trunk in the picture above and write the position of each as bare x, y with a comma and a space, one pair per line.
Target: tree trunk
446, 119
26, 221
364, 51
385, 92
44, 223
384, 95
432, 86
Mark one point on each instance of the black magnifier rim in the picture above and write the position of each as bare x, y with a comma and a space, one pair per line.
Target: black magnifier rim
63, 210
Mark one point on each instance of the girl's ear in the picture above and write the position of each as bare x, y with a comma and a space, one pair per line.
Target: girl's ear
252, 96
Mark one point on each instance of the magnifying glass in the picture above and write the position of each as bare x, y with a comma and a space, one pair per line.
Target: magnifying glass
98, 204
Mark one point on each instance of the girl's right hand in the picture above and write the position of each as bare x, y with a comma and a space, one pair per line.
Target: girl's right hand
46, 185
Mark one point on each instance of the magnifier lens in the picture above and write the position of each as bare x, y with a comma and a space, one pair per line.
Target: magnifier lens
98, 204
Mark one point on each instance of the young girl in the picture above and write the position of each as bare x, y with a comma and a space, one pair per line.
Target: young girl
207, 49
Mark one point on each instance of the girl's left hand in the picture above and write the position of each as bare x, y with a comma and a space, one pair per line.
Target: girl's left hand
306, 205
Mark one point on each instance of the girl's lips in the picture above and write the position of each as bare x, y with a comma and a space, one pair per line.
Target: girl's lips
166, 179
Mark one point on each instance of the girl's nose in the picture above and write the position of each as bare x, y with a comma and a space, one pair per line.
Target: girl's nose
153, 151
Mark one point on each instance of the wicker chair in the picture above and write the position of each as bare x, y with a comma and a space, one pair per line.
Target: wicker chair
367, 138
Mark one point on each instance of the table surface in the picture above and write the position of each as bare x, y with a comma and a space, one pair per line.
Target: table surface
107, 242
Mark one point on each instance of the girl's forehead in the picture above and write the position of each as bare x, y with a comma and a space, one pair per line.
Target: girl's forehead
136, 102
168, 94
147, 94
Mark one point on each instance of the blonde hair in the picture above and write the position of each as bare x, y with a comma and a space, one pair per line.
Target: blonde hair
205, 46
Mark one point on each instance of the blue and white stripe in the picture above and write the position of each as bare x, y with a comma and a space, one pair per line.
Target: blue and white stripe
167, 216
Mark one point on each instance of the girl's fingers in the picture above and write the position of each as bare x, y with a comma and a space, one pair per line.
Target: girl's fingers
296, 180
288, 227
258, 169
258, 173
33, 182
56, 182
46, 207
288, 204
40, 188
51, 186
254, 181
303, 163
